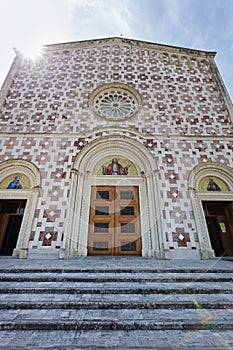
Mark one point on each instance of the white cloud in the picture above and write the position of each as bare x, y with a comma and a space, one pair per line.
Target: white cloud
72, 4
205, 25
173, 11
29, 24
101, 18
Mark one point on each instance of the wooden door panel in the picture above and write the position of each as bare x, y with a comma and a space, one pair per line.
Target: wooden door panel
11, 217
225, 234
229, 215
219, 221
128, 234
12, 233
114, 226
4, 219
214, 234
129, 246
100, 246
101, 223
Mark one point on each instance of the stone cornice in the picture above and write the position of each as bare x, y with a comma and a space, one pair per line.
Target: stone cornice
121, 131
139, 44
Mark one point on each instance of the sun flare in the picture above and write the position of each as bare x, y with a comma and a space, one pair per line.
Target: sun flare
31, 52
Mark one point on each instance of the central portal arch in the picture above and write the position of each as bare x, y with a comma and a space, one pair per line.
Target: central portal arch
143, 176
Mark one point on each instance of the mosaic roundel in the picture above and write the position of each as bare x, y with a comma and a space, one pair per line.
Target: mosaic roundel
115, 102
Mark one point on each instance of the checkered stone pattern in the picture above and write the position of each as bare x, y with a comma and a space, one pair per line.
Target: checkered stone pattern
176, 159
180, 94
46, 119
55, 157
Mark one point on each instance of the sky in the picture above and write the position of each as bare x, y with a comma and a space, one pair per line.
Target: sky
206, 25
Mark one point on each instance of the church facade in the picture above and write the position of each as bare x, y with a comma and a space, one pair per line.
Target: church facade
116, 147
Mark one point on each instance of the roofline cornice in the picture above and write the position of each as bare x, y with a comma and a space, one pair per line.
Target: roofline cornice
140, 44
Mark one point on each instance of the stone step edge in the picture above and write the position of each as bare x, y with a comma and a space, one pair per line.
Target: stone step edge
112, 305
115, 270
114, 279
115, 290
94, 324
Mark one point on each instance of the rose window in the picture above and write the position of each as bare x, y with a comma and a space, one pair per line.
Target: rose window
115, 103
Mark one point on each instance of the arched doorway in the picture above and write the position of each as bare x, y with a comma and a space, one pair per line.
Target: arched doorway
140, 186
211, 190
19, 190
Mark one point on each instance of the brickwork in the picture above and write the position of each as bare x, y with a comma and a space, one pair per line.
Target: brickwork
184, 120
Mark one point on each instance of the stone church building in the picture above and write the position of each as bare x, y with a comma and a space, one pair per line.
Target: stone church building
116, 147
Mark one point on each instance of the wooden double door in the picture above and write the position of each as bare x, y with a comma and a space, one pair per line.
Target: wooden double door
114, 224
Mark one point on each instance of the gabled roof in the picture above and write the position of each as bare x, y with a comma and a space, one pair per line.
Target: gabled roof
140, 44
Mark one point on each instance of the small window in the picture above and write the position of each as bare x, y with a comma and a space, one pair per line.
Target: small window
102, 194
128, 246
100, 210
101, 227
127, 210
100, 246
128, 228
126, 195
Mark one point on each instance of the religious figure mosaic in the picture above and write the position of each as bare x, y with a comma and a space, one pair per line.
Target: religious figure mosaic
212, 186
15, 184
115, 168
16, 181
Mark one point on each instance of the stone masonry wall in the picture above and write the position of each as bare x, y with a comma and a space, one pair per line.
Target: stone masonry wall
184, 121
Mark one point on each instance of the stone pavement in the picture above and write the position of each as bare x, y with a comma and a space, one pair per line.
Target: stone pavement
116, 303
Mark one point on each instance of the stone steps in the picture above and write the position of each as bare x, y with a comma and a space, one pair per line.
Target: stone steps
113, 305
116, 320
115, 340
117, 301
116, 269
167, 290
104, 325
114, 277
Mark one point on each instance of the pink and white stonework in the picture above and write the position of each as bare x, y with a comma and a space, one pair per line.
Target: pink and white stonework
177, 133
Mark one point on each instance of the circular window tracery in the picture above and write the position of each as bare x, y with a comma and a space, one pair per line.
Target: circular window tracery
115, 102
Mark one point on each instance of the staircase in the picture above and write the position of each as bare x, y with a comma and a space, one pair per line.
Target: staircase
116, 303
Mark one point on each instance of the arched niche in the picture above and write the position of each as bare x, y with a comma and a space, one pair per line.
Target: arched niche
211, 170
26, 170
16, 181
222, 175
212, 183
30, 180
86, 173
